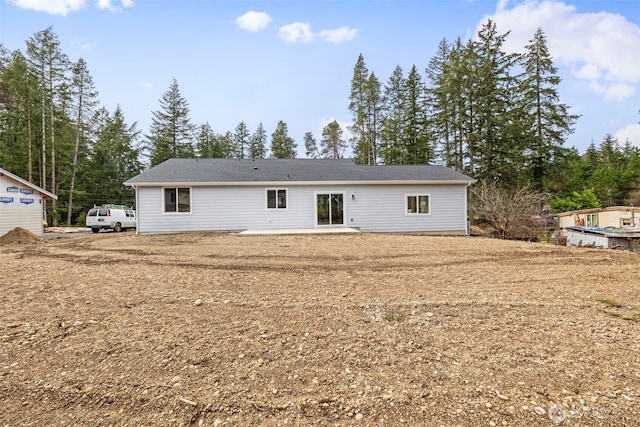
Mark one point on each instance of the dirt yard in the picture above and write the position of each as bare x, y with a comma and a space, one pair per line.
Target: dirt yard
337, 330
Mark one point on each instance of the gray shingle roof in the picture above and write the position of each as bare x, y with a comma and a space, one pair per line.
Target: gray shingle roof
216, 171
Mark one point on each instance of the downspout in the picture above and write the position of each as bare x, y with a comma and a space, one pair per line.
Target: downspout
466, 210
137, 211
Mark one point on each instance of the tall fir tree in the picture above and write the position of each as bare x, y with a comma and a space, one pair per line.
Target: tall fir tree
332, 143
207, 145
171, 134
282, 145
414, 123
549, 119
439, 90
496, 151
18, 96
392, 145
85, 100
114, 158
227, 145
365, 104
258, 143
241, 140
311, 146
50, 65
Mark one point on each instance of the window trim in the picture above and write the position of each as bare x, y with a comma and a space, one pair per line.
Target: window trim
176, 212
417, 196
588, 220
276, 208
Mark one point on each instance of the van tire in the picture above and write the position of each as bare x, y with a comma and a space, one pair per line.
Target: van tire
118, 227
95, 230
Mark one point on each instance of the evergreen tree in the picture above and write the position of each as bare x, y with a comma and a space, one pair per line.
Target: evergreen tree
366, 107
241, 140
115, 157
460, 88
550, 121
443, 84
18, 89
414, 123
227, 145
576, 201
494, 145
207, 144
258, 143
282, 145
50, 66
392, 147
171, 134
611, 180
311, 146
332, 143
85, 100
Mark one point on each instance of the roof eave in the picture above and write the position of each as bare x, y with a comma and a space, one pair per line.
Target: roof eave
295, 183
29, 184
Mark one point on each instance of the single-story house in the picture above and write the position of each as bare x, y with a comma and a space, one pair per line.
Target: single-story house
21, 204
240, 194
614, 216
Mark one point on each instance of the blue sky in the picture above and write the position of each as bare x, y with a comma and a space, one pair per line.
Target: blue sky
264, 61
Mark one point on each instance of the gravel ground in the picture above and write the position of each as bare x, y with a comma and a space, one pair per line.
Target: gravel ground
337, 330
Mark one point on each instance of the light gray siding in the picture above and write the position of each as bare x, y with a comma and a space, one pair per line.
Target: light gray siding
376, 208
383, 209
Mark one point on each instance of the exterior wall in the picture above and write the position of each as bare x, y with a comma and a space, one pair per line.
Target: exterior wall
577, 238
379, 208
608, 217
20, 206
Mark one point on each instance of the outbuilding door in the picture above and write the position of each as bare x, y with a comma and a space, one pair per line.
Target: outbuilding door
330, 208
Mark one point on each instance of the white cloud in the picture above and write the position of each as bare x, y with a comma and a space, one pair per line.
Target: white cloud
253, 21
339, 35
631, 133
301, 32
298, 32
147, 85
54, 7
113, 6
64, 7
619, 92
602, 49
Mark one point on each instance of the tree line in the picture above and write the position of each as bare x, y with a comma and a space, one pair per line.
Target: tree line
495, 116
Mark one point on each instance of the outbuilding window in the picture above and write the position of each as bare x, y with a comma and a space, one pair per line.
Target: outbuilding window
177, 200
418, 204
276, 198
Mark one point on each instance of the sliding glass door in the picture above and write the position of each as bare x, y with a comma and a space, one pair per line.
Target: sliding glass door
330, 208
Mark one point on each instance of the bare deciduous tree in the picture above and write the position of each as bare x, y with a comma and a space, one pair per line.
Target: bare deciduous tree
504, 209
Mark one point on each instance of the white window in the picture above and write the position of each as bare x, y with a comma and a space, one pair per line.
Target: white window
418, 204
592, 220
277, 198
177, 200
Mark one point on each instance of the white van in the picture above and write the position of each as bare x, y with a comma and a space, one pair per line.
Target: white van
111, 217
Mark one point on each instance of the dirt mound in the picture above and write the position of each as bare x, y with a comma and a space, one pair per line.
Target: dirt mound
476, 230
19, 236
